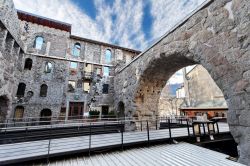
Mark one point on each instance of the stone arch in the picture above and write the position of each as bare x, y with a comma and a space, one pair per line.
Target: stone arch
121, 110
216, 37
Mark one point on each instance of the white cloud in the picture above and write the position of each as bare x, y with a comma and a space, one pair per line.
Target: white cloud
126, 30
167, 13
177, 78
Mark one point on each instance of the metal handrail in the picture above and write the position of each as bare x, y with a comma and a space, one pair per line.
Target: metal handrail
144, 126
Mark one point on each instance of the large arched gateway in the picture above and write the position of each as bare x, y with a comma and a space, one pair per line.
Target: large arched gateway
215, 36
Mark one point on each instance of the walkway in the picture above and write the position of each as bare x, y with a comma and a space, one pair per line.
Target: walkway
39, 149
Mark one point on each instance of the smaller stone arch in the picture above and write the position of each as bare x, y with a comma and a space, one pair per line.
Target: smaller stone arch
121, 110
45, 116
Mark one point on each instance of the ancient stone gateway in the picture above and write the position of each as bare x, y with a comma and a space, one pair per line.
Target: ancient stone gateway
215, 36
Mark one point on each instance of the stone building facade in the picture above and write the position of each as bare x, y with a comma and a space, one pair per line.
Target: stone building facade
201, 90
58, 74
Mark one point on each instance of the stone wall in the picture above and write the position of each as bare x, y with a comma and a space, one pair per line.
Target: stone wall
215, 36
10, 52
201, 90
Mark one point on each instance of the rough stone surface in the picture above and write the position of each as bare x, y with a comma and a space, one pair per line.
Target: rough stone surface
217, 37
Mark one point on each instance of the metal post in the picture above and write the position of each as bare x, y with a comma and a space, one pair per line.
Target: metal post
169, 129
217, 127
122, 136
188, 127
156, 124
148, 132
89, 138
48, 151
141, 125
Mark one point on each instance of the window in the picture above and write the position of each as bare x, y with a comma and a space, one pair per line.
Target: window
48, 67
88, 68
76, 49
106, 71
43, 90
71, 86
21, 90
19, 113
28, 64
73, 65
105, 88
98, 71
108, 56
86, 86
39, 42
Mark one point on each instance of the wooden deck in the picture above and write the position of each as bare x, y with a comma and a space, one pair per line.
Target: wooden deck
10, 153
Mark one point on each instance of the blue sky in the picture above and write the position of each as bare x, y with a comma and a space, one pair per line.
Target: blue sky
134, 24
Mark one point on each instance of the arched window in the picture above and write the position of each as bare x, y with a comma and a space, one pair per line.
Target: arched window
21, 90
28, 64
76, 49
38, 42
108, 56
43, 90
48, 67
19, 113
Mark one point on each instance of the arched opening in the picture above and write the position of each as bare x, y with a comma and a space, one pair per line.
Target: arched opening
43, 90
45, 117
121, 110
18, 115
108, 56
28, 64
38, 43
21, 90
76, 49
3, 108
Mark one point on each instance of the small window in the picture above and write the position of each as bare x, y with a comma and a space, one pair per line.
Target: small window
106, 71
43, 90
48, 67
76, 49
88, 68
108, 56
98, 71
71, 86
86, 86
18, 113
28, 64
39, 42
105, 88
73, 65
21, 90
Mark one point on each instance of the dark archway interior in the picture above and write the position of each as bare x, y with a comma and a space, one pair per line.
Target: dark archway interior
121, 110
45, 116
